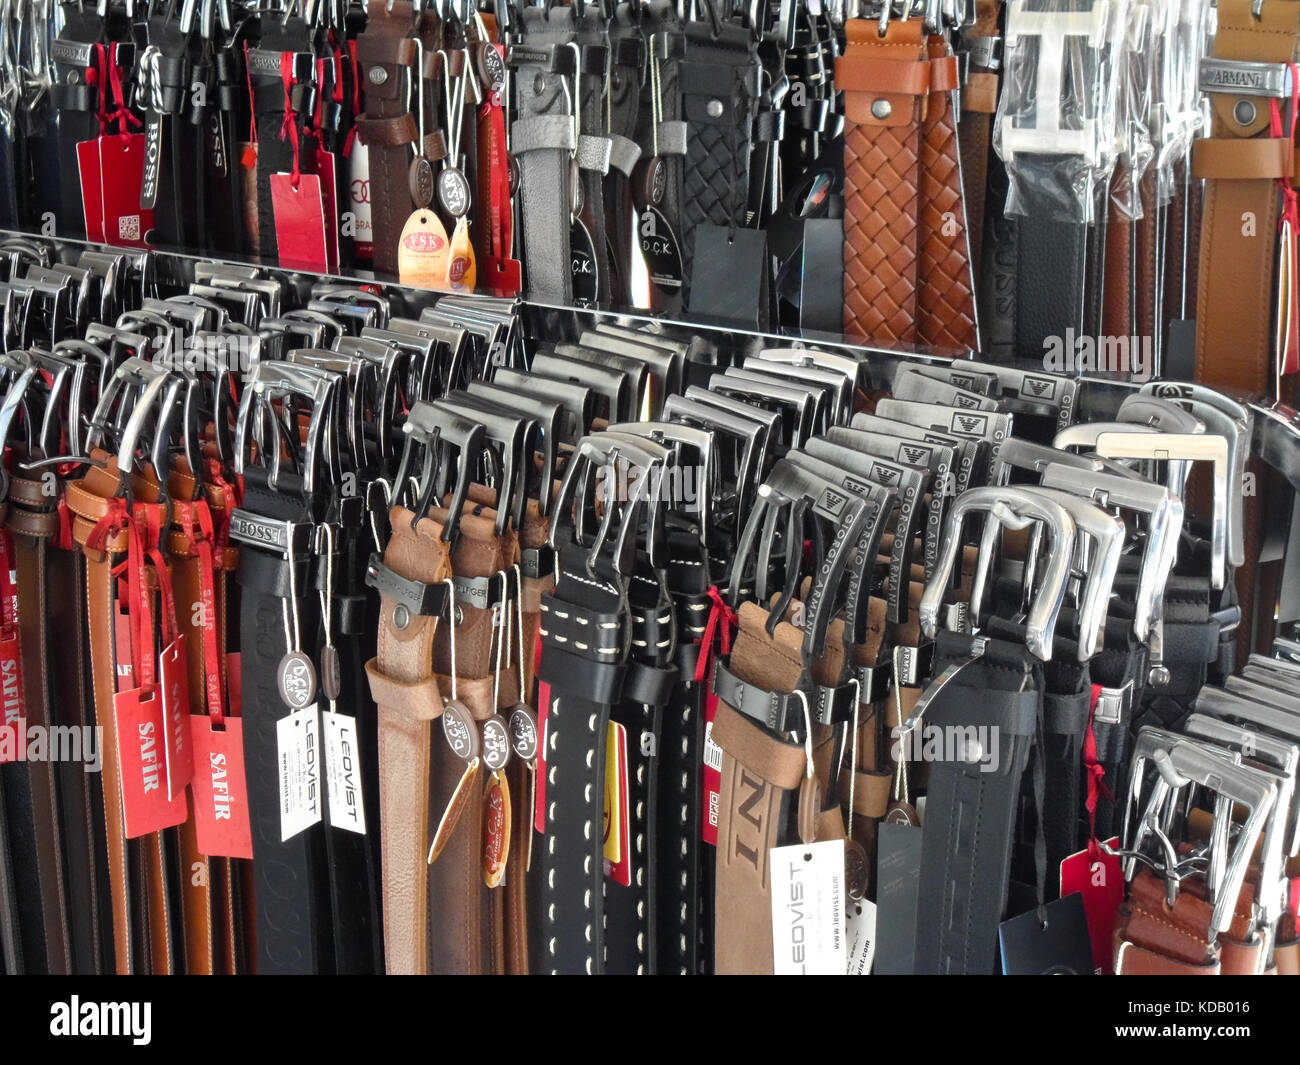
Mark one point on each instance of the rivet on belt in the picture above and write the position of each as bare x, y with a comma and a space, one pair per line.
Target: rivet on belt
401, 616
881, 108
377, 75
714, 108
1244, 112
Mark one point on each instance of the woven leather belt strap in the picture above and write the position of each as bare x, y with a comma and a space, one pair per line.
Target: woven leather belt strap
403, 686
971, 808
583, 633
979, 101
542, 141
31, 791
386, 56
885, 82
718, 82
627, 61
946, 284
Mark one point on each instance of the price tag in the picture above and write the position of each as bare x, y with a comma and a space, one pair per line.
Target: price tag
298, 742
343, 772
808, 893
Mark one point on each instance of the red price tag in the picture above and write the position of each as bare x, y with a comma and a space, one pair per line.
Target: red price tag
1096, 876
141, 756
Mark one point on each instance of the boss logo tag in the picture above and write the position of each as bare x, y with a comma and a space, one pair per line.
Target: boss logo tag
152, 157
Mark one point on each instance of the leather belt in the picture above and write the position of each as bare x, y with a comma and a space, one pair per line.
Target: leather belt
628, 61
971, 807
980, 47
543, 143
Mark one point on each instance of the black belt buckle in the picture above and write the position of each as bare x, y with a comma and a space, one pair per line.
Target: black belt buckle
553, 59
536, 562
914, 664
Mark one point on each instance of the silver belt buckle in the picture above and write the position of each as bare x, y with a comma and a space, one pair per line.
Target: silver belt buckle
1242, 77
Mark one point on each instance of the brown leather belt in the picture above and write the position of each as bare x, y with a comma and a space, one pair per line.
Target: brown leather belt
906, 279
979, 102
1241, 164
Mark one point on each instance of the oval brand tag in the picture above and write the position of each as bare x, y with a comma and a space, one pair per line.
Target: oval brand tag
496, 743
663, 256
461, 732
586, 282
902, 813
523, 732
496, 829
855, 868
331, 677
296, 679
420, 180
453, 192
491, 67
422, 252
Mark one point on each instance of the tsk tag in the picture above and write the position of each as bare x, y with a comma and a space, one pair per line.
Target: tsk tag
343, 772
298, 743
808, 895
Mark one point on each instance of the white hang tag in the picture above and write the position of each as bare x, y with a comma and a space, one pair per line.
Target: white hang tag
347, 809
298, 740
860, 920
808, 896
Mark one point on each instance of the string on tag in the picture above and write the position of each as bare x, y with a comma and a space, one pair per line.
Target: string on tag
289, 127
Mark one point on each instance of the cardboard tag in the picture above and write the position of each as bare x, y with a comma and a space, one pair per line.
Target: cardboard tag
221, 825
299, 223
808, 894
860, 921
1098, 879
582, 263
142, 764
539, 790
663, 255
455, 807
248, 192
496, 829
122, 639
343, 772
363, 234
422, 251
298, 742
175, 684
898, 879
128, 221
92, 196
327, 174
1055, 945
618, 829
461, 271
733, 289
711, 777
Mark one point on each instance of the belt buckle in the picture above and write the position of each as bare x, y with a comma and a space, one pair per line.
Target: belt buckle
1053, 29
1113, 705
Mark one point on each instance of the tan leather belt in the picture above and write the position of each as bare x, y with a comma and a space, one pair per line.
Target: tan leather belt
906, 279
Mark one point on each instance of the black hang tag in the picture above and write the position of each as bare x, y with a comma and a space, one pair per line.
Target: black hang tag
1055, 946
898, 883
1180, 350
663, 255
729, 277
821, 296
152, 159
582, 256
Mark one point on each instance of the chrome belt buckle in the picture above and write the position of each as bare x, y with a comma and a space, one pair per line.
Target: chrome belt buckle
1243, 77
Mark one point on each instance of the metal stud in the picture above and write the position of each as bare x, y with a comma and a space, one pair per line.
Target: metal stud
881, 109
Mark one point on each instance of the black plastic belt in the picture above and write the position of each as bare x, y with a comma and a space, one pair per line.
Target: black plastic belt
353, 859
292, 882
585, 683
971, 814
631, 934
627, 69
